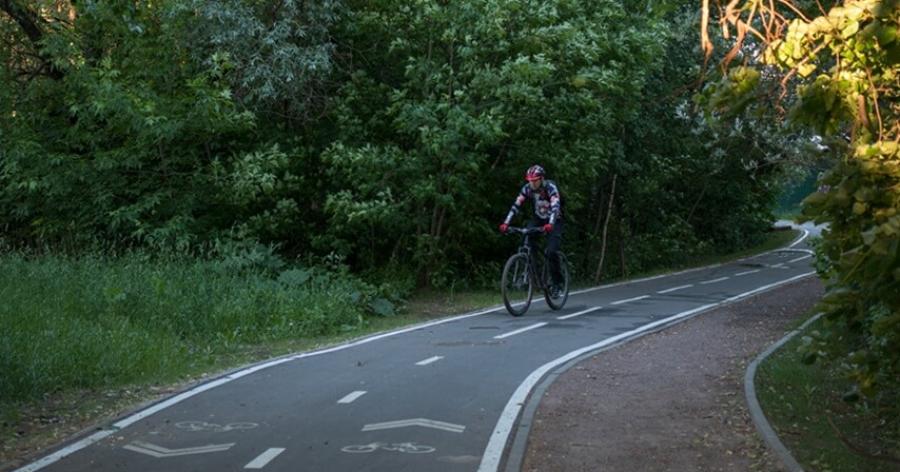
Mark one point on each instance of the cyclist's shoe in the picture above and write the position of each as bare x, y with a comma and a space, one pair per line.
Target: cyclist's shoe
555, 291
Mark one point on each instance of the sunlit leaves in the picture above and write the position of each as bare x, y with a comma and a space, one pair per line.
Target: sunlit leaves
842, 68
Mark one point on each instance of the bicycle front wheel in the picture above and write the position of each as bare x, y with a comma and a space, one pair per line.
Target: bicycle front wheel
516, 285
556, 303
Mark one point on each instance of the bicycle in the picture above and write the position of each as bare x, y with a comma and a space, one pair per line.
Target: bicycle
407, 447
528, 268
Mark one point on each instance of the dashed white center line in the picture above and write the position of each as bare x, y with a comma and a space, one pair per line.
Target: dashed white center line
746, 272
714, 280
778, 266
799, 259
430, 360
264, 458
619, 302
573, 315
518, 331
675, 288
352, 396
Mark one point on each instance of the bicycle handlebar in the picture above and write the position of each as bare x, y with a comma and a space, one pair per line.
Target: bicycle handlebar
535, 230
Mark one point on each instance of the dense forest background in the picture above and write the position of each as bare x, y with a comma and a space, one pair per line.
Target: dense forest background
387, 137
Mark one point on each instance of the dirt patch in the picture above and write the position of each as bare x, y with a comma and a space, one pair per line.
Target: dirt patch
669, 401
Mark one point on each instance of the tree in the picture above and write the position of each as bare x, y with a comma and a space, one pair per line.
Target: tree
838, 73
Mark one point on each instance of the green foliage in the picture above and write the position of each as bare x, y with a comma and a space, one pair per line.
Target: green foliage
99, 321
279, 55
842, 71
387, 135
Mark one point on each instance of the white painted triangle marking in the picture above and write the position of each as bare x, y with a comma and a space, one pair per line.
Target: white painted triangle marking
159, 451
424, 422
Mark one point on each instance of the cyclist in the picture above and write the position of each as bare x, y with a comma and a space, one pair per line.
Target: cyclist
547, 214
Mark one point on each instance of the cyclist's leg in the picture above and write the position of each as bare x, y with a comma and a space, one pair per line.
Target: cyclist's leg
554, 242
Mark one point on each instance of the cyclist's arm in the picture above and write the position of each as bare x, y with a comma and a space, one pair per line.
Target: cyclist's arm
555, 203
517, 204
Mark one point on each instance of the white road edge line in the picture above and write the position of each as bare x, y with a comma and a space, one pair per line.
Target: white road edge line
100, 435
747, 272
519, 331
264, 458
799, 259
573, 315
675, 288
619, 302
801, 238
706, 282
430, 360
351, 397
493, 453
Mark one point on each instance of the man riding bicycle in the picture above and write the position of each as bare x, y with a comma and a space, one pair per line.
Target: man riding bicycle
547, 214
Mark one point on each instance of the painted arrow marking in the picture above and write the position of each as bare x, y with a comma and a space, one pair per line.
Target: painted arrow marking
159, 451
426, 423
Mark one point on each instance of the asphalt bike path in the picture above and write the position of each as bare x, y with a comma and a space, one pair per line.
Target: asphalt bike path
443, 396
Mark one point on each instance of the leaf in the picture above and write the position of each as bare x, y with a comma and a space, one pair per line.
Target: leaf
806, 69
294, 277
851, 396
869, 236
850, 29
382, 307
886, 35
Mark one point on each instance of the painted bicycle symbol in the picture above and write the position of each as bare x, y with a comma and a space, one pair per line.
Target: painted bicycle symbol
407, 447
213, 427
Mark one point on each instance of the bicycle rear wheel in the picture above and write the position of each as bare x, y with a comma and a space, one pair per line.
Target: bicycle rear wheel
516, 285
560, 301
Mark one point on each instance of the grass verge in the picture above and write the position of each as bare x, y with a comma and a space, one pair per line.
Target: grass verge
805, 407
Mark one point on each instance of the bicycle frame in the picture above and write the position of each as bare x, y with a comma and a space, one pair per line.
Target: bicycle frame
536, 261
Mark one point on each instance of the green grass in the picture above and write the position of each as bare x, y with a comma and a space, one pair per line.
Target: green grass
93, 322
800, 399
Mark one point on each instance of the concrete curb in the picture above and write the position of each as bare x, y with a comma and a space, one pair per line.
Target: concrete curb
759, 418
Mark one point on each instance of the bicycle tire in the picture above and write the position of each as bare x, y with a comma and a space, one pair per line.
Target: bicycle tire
516, 271
414, 449
558, 303
360, 448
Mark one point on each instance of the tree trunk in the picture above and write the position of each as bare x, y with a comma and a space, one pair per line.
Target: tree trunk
612, 197
622, 248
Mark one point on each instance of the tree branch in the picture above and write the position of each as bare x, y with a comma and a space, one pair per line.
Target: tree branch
28, 21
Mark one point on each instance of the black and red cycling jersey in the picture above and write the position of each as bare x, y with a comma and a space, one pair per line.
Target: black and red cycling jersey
546, 202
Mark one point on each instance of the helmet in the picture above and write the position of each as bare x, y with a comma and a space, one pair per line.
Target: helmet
534, 172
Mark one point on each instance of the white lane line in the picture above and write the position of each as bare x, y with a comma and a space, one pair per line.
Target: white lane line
573, 315
264, 458
430, 360
37, 465
778, 266
799, 259
801, 238
351, 397
518, 331
675, 288
747, 272
619, 302
490, 460
705, 282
